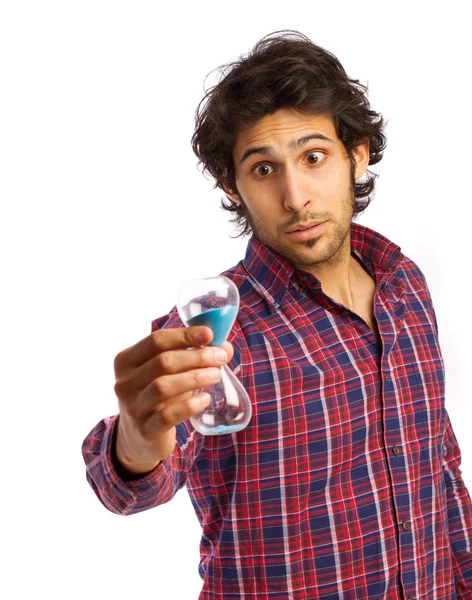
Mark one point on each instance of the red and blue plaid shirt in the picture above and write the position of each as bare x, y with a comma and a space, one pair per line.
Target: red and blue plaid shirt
346, 482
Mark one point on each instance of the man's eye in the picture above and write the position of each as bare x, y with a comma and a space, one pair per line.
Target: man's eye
317, 157
314, 158
262, 170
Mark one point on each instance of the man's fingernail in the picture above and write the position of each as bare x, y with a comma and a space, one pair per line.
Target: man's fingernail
220, 354
202, 335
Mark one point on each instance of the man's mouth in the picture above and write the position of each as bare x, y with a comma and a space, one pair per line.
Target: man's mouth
304, 232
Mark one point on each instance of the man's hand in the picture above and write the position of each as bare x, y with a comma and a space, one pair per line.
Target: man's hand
155, 382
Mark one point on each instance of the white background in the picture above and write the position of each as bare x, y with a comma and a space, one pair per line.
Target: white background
104, 214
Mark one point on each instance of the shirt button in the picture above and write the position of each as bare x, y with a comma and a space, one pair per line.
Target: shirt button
345, 313
406, 525
302, 290
396, 450
410, 598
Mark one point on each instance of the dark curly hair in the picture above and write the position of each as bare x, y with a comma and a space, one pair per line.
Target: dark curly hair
285, 69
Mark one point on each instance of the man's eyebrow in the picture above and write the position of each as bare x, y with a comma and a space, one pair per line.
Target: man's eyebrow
292, 145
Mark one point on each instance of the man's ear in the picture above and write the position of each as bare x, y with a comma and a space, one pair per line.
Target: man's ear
361, 156
234, 196
231, 193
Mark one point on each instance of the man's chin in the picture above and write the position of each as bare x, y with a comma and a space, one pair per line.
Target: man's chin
299, 254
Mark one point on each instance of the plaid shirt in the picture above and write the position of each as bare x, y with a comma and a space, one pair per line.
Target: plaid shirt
346, 483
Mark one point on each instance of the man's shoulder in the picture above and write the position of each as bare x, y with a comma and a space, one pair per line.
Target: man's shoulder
413, 273
387, 253
171, 320
237, 274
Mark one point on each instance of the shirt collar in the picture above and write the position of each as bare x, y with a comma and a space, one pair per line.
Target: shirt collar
272, 273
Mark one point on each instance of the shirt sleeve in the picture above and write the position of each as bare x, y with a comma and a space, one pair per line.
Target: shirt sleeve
459, 505
459, 514
155, 488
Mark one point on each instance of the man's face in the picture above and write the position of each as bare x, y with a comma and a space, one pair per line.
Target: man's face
290, 181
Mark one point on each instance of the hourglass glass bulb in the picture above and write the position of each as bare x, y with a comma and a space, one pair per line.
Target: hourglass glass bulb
214, 302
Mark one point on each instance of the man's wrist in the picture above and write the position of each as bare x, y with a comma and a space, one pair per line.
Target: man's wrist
129, 469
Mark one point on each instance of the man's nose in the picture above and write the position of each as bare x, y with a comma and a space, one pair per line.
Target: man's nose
295, 192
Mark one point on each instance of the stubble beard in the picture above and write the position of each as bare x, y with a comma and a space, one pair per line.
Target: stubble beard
334, 244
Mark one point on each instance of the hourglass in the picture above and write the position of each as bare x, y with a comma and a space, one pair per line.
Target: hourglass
214, 302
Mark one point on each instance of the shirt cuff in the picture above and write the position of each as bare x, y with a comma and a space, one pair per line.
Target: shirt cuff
128, 496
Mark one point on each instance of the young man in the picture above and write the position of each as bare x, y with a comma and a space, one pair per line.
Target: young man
346, 482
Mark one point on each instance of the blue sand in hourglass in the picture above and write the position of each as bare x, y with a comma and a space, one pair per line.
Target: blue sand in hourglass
219, 320
219, 429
